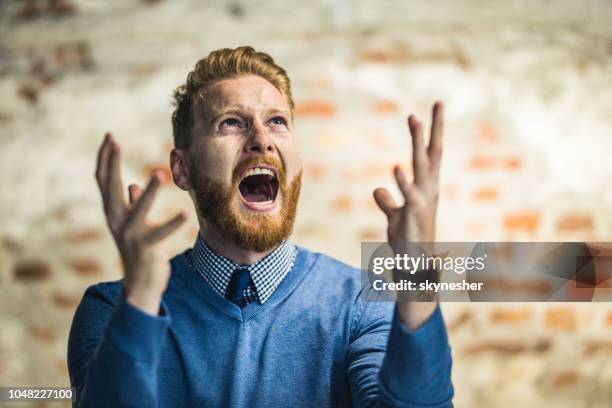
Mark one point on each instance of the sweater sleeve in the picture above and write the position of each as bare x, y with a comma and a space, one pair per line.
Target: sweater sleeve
392, 366
114, 351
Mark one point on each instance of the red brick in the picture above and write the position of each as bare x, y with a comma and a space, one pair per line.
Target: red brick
61, 8
65, 301
32, 270
482, 163
342, 203
61, 366
461, 320
499, 347
83, 235
609, 319
85, 266
575, 222
28, 92
42, 333
371, 234
385, 55
384, 107
522, 221
566, 378
487, 132
162, 169
315, 171
561, 318
597, 346
29, 11
513, 163
319, 83
315, 108
511, 315
486, 194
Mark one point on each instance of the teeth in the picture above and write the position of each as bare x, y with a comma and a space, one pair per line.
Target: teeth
259, 170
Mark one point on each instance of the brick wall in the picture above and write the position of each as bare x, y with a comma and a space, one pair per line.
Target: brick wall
527, 87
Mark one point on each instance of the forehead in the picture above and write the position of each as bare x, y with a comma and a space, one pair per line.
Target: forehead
247, 92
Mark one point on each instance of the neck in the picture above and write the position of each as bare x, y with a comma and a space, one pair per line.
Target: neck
227, 249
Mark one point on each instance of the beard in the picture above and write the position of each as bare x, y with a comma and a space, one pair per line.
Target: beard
249, 230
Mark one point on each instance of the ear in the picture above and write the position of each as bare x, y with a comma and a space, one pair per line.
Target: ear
180, 169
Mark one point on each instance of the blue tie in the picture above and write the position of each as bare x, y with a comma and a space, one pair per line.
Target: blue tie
238, 283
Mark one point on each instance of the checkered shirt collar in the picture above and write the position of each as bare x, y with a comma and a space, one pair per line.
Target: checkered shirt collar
266, 274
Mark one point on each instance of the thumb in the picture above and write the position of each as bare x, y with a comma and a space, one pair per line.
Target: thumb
385, 201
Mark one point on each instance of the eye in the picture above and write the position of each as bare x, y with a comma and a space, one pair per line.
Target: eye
279, 120
230, 122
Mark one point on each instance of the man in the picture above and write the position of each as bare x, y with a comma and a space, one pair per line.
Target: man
244, 318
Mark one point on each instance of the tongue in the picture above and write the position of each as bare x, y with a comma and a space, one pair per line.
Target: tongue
256, 192
256, 197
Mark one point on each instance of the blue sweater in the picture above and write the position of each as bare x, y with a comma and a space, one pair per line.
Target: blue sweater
316, 342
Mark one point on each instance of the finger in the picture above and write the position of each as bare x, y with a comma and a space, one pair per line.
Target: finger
434, 150
102, 161
115, 184
134, 192
162, 231
385, 201
419, 155
405, 187
142, 206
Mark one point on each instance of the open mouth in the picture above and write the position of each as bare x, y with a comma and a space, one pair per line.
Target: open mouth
259, 187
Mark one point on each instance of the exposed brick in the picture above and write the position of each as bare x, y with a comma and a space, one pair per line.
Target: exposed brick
449, 192
385, 55
61, 365
42, 333
28, 92
575, 222
482, 163
384, 107
61, 8
343, 203
12, 244
542, 346
319, 83
566, 378
371, 234
315, 171
522, 221
32, 270
513, 163
499, 347
83, 235
65, 301
486, 194
561, 318
85, 266
29, 11
314, 108
162, 169
487, 132
514, 315
597, 346
461, 320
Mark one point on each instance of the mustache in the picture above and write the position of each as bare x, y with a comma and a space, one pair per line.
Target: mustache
254, 161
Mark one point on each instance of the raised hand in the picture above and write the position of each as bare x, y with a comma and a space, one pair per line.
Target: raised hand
415, 220
145, 266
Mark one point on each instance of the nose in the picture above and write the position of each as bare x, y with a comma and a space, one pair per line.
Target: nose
259, 140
